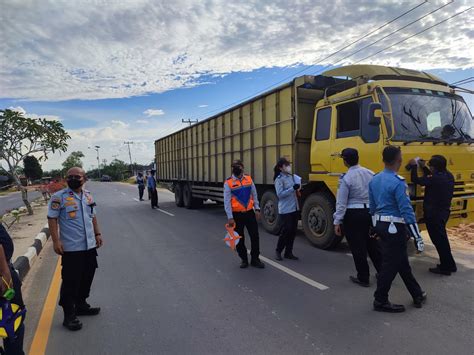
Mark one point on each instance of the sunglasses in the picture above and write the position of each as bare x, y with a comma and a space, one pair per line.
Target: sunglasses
74, 177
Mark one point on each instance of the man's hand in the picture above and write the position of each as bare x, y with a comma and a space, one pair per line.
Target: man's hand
258, 215
412, 162
58, 247
231, 222
338, 230
99, 241
422, 163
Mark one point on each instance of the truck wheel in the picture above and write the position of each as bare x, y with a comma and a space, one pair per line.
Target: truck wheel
318, 222
187, 196
178, 195
269, 208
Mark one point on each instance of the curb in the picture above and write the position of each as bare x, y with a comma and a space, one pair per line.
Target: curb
24, 262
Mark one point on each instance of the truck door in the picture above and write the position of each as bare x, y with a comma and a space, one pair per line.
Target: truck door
320, 160
353, 131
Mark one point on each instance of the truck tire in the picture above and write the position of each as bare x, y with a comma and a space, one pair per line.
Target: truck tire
178, 195
187, 196
317, 221
269, 209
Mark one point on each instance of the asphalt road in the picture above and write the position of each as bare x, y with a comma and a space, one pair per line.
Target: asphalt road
167, 284
13, 200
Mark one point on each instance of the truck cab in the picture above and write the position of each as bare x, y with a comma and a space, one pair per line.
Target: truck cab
387, 106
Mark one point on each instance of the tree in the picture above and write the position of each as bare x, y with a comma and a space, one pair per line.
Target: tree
21, 136
74, 159
32, 168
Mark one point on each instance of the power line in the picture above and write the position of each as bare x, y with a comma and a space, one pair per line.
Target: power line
416, 34
317, 61
462, 81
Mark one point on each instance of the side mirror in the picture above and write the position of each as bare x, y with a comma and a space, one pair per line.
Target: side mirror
375, 114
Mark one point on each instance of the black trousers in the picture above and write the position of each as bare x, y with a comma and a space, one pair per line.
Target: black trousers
436, 226
14, 346
78, 270
247, 220
154, 197
356, 225
289, 226
141, 189
394, 261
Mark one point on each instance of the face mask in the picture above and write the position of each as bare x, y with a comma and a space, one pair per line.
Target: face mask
74, 184
287, 169
236, 170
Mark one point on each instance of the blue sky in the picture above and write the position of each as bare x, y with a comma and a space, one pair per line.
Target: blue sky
131, 70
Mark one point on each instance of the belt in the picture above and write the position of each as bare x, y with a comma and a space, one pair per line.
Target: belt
357, 205
389, 219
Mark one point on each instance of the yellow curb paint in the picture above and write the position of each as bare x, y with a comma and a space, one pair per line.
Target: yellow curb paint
40, 341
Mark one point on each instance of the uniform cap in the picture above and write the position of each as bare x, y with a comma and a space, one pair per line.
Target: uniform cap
349, 153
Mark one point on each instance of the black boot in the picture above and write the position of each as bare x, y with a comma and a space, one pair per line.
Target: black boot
437, 270
257, 263
71, 322
388, 307
244, 264
356, 280
418, 301
85, 309
291, 256
278, 256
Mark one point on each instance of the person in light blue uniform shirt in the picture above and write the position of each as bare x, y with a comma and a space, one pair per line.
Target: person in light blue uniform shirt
287, 192
352, 215
76, 236
394, 218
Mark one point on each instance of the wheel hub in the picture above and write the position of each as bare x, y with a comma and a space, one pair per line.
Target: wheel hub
269, 212
317, 221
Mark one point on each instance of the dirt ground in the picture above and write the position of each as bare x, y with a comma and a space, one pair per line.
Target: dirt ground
462, 236
24, 232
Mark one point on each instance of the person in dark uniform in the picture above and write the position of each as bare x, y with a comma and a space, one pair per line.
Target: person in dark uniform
394, 217
352, 213
141, 186
242, 209
76, 236
439, 189
151, 183
7, 272
147, 176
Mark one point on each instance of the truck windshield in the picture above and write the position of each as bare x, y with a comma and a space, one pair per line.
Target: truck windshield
427, 115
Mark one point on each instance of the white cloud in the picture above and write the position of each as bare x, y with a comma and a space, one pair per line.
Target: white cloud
153, 112
202, 106
34, 115
119, 124
142, 121
115, 49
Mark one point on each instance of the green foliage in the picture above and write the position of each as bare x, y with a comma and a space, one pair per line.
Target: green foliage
117, 170
32, 168
54, 173
21, 136
73, 160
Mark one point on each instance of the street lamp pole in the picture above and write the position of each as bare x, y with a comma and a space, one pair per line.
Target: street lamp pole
98, 160
130, 155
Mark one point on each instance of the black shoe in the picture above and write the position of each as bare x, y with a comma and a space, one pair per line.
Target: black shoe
291, 257
158, 207
244, 264
359, 282
72, 323
388, 307
87, 310
437, 270
278, 256
418, 301
453, 269
258, 264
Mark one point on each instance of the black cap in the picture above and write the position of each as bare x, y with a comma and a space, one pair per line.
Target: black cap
349, 153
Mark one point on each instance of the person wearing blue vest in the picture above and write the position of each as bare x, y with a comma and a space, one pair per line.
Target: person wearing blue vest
394, 219
286, 190
76, 236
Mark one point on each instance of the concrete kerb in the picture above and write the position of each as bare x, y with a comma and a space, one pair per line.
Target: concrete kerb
24, 262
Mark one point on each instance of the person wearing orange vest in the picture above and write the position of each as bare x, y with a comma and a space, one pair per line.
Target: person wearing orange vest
242, 209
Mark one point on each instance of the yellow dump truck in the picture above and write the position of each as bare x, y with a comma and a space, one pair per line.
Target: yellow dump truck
310, 120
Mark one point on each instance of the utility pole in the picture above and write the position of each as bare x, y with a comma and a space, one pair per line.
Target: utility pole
96, 148
189, 121
129, 155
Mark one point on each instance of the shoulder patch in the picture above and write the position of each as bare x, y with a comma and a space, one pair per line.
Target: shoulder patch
400, 177
55, 203
342, 176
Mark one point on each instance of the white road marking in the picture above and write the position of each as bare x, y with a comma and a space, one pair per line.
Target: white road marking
295, 274
136, 199
123, 193
165, 212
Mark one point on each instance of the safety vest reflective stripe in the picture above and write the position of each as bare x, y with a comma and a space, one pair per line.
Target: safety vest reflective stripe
241, 190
